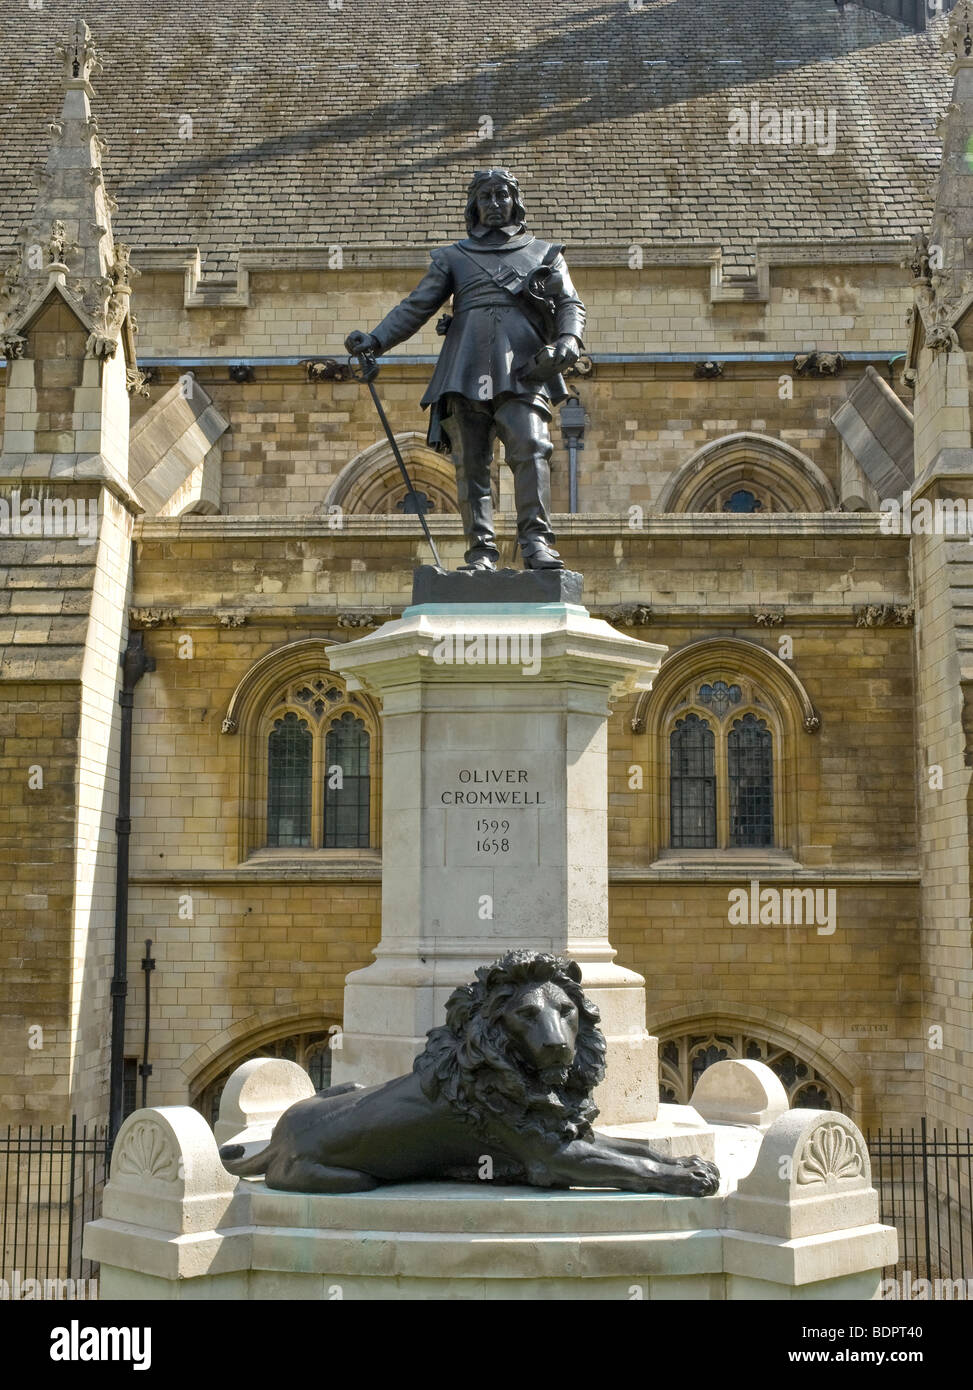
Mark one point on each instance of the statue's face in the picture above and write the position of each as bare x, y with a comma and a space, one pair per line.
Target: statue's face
494, 204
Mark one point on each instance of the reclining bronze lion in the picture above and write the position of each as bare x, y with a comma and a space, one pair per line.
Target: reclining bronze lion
502, 1091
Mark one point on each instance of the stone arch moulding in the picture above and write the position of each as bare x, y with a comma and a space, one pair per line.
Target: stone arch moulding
275, 669
705, 655
841, 1069
727, 658
367, 485
791, 477
259, 1029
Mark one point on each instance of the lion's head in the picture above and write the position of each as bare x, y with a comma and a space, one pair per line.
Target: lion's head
520, 1044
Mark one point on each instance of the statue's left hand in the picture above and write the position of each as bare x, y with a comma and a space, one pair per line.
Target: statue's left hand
567, 350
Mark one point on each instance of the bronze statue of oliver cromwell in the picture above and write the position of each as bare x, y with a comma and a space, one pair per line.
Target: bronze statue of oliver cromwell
516, 324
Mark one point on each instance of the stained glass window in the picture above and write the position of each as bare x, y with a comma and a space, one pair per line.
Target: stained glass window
750, 767
692, 784
346, 794
289, 783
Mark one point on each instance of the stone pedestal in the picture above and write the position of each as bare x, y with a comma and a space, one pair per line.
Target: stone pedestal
494, 814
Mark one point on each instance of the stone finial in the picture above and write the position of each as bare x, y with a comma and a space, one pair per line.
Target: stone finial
920, 262
66, 244
958, 38
942, 265
80, 58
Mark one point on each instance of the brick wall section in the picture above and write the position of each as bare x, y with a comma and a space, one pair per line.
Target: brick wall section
256, 956
820, 989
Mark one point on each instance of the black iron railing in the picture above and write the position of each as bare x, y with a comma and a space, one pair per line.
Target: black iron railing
925, 1179
51, 1182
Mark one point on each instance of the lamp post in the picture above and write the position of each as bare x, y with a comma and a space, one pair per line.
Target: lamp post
572, 429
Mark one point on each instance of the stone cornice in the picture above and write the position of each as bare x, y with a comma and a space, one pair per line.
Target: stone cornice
370, 871
678, 615
705, 525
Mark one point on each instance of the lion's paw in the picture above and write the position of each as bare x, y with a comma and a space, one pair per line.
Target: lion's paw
699, 1178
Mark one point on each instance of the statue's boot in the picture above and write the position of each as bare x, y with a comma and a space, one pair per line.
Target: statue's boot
541, 557
482, 560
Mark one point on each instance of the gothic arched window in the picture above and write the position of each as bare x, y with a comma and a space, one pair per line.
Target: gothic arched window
685, 1056
721, 768
314, 769
309, 757
312, 1051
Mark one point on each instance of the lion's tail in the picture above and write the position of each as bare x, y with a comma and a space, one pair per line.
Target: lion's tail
232, 1156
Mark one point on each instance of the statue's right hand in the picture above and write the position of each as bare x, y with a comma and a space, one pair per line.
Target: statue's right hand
357, 342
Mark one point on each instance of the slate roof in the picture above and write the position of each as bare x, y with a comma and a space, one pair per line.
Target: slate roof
314, 125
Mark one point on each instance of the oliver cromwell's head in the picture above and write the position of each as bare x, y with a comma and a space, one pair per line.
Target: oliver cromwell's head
493, 200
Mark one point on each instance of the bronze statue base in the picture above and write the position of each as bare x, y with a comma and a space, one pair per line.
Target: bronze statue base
433, 585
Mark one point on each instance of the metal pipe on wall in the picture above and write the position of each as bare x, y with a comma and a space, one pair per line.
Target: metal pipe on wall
135, 662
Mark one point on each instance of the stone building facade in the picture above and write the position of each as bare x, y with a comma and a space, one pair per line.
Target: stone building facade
770, 359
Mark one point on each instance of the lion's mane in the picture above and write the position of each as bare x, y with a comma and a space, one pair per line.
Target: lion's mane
471, 1063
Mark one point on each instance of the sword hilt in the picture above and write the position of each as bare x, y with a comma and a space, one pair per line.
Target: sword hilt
363, 365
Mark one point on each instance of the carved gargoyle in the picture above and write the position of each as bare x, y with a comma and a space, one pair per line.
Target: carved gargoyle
509, 1076
819, 363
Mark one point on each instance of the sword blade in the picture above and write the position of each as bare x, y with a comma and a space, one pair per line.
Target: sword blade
405, 474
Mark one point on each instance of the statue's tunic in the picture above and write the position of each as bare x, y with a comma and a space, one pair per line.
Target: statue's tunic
494, 330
